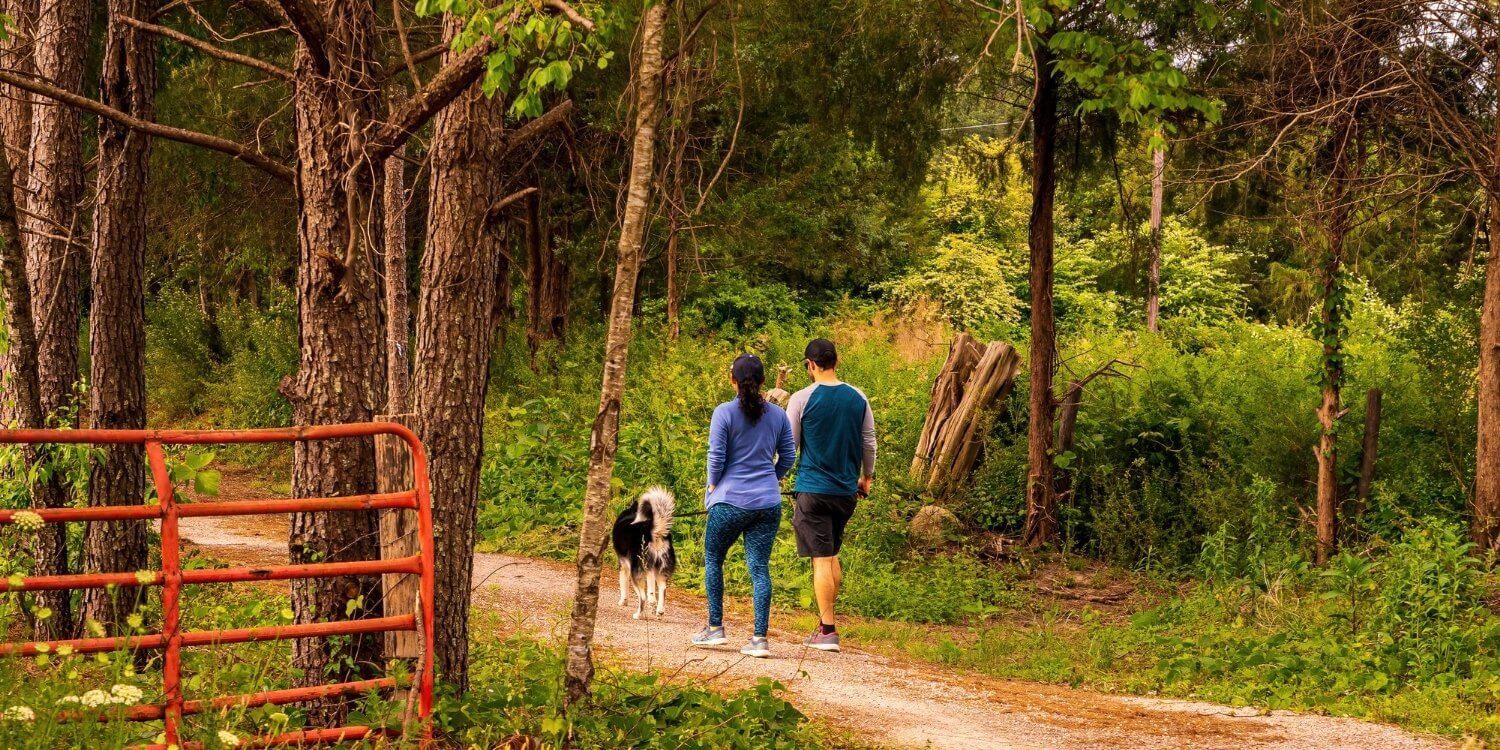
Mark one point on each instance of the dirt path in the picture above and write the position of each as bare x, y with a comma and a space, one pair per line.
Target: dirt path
893, 703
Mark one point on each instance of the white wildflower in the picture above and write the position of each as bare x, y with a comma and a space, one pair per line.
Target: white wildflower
127, 695
94, 699
66, 699
228, 739
19, 713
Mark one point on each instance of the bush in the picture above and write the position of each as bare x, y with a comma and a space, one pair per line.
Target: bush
729, 306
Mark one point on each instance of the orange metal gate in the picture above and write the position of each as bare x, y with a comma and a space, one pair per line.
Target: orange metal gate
172, 577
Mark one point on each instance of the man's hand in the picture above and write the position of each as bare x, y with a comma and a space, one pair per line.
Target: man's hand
864, 486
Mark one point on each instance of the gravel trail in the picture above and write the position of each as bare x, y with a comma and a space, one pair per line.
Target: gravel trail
892, 703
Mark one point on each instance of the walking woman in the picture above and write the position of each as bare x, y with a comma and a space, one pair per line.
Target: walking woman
750, 449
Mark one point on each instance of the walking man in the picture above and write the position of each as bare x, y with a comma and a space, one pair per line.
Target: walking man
835, 429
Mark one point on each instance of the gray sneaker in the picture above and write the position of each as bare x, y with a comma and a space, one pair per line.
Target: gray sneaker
710, 636
759, 648
823, 641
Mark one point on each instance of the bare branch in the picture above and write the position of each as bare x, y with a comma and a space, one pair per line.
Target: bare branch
493, 214
569, 13
206, 48
235, 149
559, 114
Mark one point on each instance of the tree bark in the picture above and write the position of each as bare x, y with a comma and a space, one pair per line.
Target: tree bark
24, 391
117, 319
1067, 424
55, 257
15, 138
341, 376
1153, 265
1369, 449
457, 291
1485, 526
605, 437
1041, 500
1331, 331
397, 295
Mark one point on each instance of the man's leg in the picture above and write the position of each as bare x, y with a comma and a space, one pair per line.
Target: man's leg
827, 576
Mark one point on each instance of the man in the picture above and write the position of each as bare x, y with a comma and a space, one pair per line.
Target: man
834, 426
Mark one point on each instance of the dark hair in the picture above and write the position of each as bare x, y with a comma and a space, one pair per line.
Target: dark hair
749, 374
822, 353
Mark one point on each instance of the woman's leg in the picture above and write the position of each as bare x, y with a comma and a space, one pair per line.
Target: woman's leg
719, 533
760, 535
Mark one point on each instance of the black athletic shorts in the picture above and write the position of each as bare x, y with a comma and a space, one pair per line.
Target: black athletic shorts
819, 521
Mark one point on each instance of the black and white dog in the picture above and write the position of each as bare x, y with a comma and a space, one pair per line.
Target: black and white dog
643, 542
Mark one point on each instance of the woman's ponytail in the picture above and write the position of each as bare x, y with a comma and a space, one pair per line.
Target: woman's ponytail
749, 375
751, 402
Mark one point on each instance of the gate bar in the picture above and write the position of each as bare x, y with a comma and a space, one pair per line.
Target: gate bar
172, 577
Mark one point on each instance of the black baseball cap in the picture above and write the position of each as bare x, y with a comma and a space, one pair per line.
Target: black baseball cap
748, 368
822, 353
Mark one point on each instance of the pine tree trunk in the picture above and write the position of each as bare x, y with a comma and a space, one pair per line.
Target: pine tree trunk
458, 289
1485, 526
15, 132
21, 382
341, 376
397, 295
54, 256
1041, 500
117, 319
1153, 267
605, 437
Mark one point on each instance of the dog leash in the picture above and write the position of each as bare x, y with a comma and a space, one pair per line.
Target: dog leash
704, 512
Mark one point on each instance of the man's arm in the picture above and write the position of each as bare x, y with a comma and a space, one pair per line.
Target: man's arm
786, 450
867, 437
794, 409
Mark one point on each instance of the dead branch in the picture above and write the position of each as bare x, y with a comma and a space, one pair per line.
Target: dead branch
235, 149
206, 48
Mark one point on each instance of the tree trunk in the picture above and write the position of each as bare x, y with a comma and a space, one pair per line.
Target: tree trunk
605, 437
674, 289
1369, 448
117, 319
1153, 266
24, 392
15, 132
1485, 526
397, 296
1041, 501
458, 288
55, 258
341, 376
1331, 331
1067, 424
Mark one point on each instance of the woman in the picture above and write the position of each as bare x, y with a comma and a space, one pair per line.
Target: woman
750, 448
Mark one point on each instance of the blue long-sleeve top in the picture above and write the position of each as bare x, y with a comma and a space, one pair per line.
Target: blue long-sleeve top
746, 460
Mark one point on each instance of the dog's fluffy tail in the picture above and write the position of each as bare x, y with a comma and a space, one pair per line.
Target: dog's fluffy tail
656, 504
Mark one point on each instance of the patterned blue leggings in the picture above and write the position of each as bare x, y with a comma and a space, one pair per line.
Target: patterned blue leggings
725, 525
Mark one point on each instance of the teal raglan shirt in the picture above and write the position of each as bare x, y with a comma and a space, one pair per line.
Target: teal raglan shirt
835, 429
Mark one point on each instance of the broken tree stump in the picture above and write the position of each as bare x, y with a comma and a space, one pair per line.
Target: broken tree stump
956, 447
947, 393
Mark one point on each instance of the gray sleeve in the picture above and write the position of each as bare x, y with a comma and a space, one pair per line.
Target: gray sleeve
867, 436
794, 407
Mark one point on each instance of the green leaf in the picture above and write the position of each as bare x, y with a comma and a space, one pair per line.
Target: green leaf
207, 482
